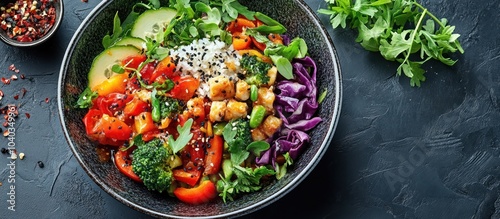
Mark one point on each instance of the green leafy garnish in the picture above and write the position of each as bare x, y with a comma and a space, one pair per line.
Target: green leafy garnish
247, 180
237, 135
109, 40
281, 55
231, 8
185, 136
257, 147
118, 69
284, 66
322, 96
399, 31
85, 99
282, 169
136, 141
270, 25
119, 29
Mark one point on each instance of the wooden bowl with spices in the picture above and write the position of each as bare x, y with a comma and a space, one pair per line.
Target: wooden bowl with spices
25, 23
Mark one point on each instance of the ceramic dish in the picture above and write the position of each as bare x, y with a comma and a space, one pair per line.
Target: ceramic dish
59, 8
299, 19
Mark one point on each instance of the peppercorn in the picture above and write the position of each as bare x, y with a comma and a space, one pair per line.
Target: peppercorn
40, 164
3, 150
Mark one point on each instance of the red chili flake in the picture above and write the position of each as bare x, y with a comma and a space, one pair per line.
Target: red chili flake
47, 100
16, 96
23, 92
12, 67
6, 133
27, 115
4, 109
16, 71
5, 124
1, 93
13, 77
22, 76
5, 80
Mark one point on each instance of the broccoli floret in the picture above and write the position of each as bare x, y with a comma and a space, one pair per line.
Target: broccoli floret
256, 70
150, 163
242, 131
170, 106
237, 135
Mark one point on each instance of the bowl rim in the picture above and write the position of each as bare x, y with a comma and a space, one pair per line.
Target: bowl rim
52, 31
242, 211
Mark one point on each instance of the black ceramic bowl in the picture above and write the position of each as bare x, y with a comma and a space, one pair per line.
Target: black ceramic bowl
299, 19
58, 5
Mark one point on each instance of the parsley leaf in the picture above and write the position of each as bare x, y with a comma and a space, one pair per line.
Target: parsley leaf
397, 29
185, 136
247, 180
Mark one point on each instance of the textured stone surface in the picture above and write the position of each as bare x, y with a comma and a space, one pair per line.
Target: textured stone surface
398, 152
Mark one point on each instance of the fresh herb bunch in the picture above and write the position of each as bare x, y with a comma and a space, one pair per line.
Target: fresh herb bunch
397, 29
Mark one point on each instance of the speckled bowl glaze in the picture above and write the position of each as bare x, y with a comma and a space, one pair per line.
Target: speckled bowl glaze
299, 19
59, 6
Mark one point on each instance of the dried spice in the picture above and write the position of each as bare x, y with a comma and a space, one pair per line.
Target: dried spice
23, 92
28, 20
40, 164
5, 80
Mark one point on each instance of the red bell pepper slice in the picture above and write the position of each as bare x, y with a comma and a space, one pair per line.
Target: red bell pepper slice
239, 25
190, 177
203, 193
123, 162
213, 159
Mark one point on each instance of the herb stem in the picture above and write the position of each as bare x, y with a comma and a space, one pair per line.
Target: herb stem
430, 14
413, 34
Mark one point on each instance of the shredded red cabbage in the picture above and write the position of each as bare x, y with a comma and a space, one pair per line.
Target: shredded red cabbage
296, 105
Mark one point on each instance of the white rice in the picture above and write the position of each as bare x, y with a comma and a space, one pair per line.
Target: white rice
205, 59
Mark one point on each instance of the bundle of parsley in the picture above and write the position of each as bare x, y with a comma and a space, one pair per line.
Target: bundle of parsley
399, 30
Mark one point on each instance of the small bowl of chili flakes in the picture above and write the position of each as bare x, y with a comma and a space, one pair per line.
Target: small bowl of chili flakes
26, 23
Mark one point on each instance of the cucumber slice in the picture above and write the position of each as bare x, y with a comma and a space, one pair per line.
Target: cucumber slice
101, 66
132, 41
149, 23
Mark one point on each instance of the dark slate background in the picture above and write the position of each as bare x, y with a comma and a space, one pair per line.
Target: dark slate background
399, 152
